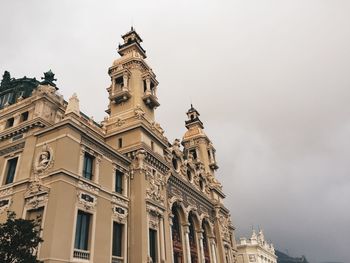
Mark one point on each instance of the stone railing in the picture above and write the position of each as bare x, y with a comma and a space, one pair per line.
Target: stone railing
117, 259
81, 254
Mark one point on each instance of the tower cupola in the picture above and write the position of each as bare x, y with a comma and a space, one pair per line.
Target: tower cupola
132, 42
193, 118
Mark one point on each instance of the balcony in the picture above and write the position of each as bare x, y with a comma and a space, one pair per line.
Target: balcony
150, 100
81, 254
121, 95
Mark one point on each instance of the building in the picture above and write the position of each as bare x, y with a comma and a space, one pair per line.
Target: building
255, 249
115, 191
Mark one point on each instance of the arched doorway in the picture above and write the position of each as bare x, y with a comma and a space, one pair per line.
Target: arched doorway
193, 240
206, 244
176, 235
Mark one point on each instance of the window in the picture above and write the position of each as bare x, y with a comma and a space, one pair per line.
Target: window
88, 166
119, 83
24, 116
82, 231
152, 146
119, 182
153, 244
9, 122
11, 170
117, 240
194, 154
120, 143
6, 99
37, 215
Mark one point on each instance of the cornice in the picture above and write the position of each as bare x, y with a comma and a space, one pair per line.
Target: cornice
92, 137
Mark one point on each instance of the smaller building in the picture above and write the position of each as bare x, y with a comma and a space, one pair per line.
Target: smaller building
255, 249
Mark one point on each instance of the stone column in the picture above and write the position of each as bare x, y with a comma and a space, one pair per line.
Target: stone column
162, 244
187, 250
171, 216
125, 81
16, 118
81, 158
201, 247
125, 252
97, 168
2, 125
148, 86
125, 186
213, 249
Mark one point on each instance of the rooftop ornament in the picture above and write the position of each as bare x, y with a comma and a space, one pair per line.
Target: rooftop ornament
49, 78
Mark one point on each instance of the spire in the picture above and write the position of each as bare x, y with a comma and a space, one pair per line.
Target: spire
132, 42
193, 118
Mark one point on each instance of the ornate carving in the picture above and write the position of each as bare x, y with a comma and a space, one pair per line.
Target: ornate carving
156, 126
44, 159
225, 222
37, 194
119, 201
88, 201
213, 182
88, 187
6, 192
139, 159
156, 184
5, 204
119, 122
120, 214
139, 112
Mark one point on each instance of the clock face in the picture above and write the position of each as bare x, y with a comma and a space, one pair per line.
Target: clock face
252, 258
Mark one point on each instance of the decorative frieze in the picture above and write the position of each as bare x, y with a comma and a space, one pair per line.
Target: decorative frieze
12, 148
119, 201
6, 192
88, 187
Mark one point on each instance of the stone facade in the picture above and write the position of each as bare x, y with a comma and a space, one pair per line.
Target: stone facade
255, 249
117, 191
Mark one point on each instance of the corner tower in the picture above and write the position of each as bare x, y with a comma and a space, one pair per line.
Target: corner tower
197, 143
133, 83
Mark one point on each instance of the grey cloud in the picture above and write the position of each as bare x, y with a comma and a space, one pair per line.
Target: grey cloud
270, 79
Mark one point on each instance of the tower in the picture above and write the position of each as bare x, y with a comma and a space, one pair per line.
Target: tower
197, 144
130, 128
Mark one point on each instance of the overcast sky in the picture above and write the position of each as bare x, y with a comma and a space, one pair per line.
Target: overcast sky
270, 78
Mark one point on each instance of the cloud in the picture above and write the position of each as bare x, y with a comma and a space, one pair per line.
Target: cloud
270, 79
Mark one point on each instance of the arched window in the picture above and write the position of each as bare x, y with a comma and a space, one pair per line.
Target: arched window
176, 236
